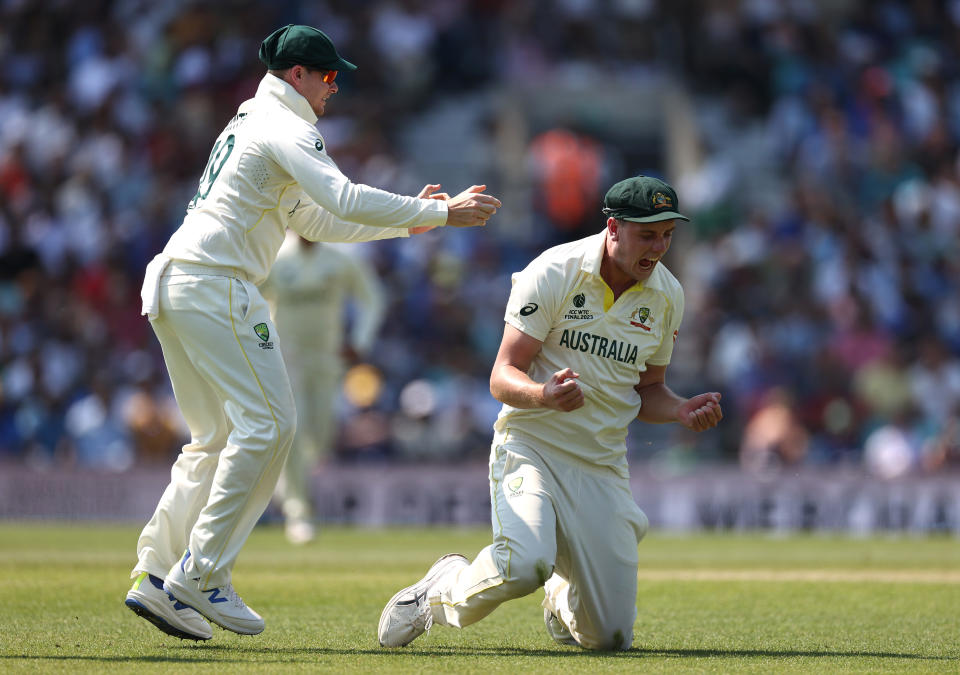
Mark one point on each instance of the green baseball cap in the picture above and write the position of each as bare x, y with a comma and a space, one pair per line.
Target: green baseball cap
301, 45
642, 199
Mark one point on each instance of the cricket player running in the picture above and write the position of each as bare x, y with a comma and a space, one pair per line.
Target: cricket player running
268, 171
590, 329
309, 288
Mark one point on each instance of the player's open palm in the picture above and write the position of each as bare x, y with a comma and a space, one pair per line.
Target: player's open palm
561, 391
701, 412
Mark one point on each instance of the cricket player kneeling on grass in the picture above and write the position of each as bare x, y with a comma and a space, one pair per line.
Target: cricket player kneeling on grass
590, 329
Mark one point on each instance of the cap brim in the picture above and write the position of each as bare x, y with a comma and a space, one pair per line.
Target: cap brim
343, 64
657, 217
338, 64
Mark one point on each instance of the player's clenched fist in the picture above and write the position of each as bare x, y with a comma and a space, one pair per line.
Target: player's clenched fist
561, 391
701, 412
471, 207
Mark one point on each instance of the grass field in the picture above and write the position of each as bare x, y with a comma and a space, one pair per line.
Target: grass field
708, 603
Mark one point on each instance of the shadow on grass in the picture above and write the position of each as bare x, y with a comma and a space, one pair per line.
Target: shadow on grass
782, 653
235, 654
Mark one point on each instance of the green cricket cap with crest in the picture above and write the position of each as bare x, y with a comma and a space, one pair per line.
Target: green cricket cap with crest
642, 199
301, 46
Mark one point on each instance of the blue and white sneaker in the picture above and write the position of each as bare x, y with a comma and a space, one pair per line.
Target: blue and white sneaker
148, 599
220, 604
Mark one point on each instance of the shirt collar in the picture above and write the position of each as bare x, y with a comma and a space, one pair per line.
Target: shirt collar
272, 87
593, 252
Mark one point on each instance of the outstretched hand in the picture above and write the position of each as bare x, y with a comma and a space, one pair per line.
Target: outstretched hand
471, 207
701, 412
429, 191
561, 391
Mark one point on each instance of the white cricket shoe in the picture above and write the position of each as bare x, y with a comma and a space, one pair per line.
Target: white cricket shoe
557, 630
221, 604
148, 599
407, 616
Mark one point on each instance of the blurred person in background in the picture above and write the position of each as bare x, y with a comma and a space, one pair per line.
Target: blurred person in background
898, 446
268, 171
310, 289
585, 320
943, 451
567, 168
935, 381
773, 437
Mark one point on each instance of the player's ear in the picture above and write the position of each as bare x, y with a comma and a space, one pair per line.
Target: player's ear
613, 225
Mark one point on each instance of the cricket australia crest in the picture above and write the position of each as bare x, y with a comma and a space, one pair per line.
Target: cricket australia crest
263, 332
640, 317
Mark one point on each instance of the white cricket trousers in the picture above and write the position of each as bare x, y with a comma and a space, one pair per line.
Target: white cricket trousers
561, 523
224, 361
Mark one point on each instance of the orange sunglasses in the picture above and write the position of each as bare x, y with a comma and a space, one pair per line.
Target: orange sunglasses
330, 76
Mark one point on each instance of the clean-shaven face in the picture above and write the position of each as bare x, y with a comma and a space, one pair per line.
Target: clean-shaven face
635, 249
310, 85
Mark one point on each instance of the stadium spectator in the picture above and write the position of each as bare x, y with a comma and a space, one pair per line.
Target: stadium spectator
836, 126
773, 437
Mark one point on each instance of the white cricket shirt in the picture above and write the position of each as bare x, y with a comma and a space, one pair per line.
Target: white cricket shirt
561, 300
269, 170
309, 288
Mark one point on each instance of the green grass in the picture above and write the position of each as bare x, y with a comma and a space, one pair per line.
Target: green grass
707, 604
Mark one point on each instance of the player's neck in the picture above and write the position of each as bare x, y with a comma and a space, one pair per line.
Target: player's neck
616, 280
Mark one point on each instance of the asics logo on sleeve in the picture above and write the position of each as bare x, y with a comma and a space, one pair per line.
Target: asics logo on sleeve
529, 309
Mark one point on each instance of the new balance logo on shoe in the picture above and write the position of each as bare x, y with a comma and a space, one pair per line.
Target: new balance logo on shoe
220, 604
214, 594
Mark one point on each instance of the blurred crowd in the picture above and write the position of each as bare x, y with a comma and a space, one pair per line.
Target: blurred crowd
815, 146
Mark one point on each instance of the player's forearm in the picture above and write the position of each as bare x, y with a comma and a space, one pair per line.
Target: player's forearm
328, 187
512, 386
315, 224
659, 405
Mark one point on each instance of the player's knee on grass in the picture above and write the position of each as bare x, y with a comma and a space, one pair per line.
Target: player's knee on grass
527, 575
608, 639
